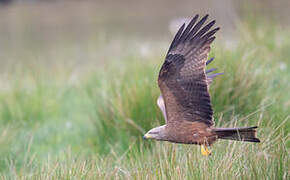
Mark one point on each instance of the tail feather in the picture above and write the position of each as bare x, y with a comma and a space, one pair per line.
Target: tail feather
237, 134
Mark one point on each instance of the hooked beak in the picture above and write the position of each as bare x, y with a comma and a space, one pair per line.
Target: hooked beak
147, 136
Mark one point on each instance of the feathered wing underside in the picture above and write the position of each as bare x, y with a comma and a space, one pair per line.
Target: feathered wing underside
182, 78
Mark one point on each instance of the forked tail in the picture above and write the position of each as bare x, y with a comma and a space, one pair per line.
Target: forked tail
237, 134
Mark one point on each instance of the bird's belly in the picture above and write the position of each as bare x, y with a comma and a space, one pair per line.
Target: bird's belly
193, 137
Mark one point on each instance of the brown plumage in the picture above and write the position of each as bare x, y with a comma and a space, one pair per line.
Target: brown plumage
184, 84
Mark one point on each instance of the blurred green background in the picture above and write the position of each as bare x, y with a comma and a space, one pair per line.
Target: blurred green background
78, 88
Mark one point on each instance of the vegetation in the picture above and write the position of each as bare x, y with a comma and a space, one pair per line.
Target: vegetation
62, 122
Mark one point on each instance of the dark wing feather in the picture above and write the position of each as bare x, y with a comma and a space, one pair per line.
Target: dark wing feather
182, 78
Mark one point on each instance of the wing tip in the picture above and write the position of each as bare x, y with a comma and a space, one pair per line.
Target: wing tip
212, 22
217, 29
192, 32
209, 61
196, 16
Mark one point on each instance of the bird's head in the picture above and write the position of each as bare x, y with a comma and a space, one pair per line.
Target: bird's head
157, 133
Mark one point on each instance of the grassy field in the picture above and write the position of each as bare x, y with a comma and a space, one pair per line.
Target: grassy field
63, 118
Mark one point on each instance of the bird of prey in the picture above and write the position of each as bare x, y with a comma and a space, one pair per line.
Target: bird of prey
184, 84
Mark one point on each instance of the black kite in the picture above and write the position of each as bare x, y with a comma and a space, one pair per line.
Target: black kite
184, 84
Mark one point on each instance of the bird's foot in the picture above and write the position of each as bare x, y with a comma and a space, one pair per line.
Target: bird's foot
204, 150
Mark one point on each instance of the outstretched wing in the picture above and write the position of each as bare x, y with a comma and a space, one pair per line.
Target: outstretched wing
210, 77
182, 78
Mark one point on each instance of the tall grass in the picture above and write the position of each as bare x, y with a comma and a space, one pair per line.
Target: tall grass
64, 124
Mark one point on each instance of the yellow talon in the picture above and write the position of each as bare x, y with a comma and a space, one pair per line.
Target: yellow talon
204, 150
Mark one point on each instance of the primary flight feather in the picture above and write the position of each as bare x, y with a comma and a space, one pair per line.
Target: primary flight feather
184, 85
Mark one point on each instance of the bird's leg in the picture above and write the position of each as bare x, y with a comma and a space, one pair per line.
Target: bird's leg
204, 150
